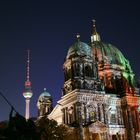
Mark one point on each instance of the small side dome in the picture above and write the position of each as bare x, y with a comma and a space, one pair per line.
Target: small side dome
45, 94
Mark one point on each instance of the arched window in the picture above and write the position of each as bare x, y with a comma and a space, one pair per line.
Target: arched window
88, 71
78, 69
90, 113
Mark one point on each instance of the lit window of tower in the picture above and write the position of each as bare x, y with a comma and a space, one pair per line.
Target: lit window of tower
28, 92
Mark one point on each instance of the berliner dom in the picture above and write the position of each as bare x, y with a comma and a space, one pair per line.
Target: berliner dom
99, 99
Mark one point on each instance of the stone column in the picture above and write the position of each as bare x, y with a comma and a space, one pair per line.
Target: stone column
129, 124
101, 112
63, 117
78, 106
73, 114
121, 117
96, 111
126, 123
138, 119
65, 111
118, 115
68, 116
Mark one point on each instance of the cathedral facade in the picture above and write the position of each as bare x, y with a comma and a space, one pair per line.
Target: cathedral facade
99, 97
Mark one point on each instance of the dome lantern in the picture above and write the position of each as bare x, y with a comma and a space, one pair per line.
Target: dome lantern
78, 37
45, 94
95, 36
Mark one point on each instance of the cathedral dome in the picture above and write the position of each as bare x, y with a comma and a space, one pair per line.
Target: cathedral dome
112, 66
45, 94
79, 49
110, 55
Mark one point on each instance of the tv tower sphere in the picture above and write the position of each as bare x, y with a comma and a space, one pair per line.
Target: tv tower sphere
28, 92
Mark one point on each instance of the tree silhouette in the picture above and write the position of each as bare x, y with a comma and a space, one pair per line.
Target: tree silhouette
50, 130
18, 128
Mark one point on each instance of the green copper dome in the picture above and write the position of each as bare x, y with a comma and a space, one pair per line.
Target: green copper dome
111, 58
109, 54
45, 94
79, 49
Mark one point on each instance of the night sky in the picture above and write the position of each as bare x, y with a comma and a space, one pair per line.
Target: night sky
48, 29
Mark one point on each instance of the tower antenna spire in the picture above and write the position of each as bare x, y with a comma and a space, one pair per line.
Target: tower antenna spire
28, 65
94, 27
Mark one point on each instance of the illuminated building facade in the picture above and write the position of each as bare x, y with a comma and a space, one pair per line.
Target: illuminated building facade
98, 95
